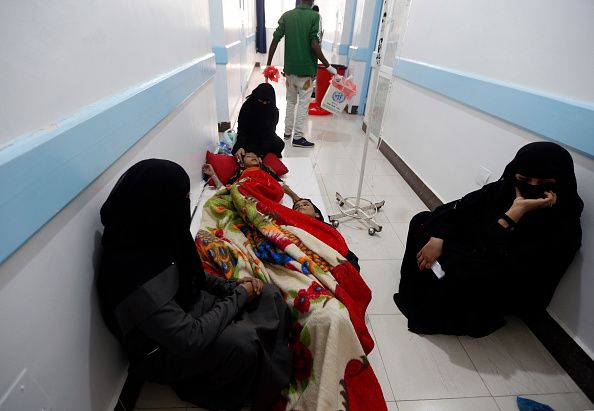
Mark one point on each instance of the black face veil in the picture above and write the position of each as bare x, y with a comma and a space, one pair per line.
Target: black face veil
548, 160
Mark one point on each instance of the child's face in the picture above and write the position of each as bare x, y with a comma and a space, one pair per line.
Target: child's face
305, 207
251, 160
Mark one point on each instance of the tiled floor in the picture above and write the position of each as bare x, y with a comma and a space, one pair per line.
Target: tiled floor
429, 373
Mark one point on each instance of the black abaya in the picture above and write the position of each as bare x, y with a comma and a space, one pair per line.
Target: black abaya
491, 271
256, 130
178, 324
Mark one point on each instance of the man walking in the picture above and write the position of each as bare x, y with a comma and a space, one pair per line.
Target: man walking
302, 31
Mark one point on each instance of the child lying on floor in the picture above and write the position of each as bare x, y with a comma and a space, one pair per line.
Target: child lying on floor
248, 161
302, 205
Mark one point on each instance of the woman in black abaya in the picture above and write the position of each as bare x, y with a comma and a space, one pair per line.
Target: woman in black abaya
256, 130
503, 248
205, 336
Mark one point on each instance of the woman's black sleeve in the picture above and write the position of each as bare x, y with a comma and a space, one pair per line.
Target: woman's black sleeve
185, 336
218, 286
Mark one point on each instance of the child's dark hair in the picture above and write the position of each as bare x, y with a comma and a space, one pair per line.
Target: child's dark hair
320, 216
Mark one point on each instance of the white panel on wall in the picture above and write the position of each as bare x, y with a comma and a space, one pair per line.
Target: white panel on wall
544, 46
55, 60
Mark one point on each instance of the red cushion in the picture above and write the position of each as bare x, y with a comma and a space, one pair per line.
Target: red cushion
224, 165
272, 161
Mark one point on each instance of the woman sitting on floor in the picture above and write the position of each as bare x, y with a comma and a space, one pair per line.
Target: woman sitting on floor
256, 130
503, 248
205, 336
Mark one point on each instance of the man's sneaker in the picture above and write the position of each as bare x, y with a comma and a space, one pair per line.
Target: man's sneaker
302, 142
287, 136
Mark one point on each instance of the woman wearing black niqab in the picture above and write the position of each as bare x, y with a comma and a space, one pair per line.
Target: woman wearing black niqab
258, 117
205, 336
503, 248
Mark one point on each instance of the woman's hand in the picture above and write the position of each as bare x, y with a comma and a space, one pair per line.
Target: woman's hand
251, 293
523, 205
239, 154
256, 284
208, 170
429, 253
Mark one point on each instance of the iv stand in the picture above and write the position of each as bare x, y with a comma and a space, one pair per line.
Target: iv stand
365, 214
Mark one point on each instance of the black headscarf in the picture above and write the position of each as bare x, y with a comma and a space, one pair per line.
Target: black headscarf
264, 92
147, 228
548, 160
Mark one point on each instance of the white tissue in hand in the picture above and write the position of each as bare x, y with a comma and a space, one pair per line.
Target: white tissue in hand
436, 267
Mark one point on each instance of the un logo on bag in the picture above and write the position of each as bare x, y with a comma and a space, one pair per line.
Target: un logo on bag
338, 97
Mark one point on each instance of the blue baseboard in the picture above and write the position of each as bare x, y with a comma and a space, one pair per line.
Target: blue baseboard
42, 172
567, 122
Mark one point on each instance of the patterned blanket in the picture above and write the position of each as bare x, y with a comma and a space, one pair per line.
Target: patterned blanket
245, 232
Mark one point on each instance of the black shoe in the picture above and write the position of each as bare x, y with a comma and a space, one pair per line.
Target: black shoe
302, 142
287, 136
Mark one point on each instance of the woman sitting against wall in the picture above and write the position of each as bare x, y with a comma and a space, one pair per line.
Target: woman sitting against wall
503, 248
256, 129
205, 336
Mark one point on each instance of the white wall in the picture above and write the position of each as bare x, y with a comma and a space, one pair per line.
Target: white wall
232, 21
53, 61
538, 45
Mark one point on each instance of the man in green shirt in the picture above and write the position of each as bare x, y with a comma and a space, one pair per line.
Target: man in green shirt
302, 31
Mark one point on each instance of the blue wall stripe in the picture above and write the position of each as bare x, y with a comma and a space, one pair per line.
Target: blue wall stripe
343, 49
42, 172
568, 122
360, 54
327, 45
222, 52
250, 38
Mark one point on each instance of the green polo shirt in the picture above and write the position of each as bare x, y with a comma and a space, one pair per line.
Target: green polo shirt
299, 27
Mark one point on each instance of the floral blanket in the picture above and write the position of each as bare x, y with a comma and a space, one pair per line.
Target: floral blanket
246, 232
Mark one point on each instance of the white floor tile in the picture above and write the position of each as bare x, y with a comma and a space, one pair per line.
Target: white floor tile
377, 364
330, 151
399, 209
383, 277
382, 246
453, 404
345, 184
401, 230
512, 361
559, 402
392, 406
336, 166
424, 367
379, 167
393, 185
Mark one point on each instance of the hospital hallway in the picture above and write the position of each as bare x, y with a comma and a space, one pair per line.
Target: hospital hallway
447, 94
416, 373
